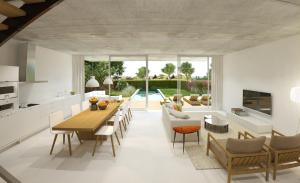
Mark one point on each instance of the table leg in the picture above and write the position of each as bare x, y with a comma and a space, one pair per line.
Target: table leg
53, 144
70, 148
78, 137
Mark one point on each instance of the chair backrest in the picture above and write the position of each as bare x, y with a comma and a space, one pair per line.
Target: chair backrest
125, 107
55, 118
75, 109
85, 105
116, 121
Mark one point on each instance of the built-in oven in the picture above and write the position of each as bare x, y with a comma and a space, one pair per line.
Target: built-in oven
8, 106
8, 90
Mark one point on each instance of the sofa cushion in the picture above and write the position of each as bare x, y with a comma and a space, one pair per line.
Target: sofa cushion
285, 142
241, 146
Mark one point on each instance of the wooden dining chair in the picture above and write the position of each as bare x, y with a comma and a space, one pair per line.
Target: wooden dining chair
129, 109
108, 130
54, 119
125, 112
121, 121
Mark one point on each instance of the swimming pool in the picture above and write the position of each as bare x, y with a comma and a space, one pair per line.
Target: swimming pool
153, 95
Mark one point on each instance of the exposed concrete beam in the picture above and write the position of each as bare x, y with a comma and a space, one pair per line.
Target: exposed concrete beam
293, 2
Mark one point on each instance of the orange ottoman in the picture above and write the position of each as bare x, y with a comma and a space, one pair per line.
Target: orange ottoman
186, 130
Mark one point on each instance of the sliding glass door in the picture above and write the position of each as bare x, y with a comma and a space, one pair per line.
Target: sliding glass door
195, 80
162, 80
148, 80
129, 75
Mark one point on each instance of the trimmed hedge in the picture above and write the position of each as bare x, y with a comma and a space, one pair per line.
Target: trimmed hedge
157, 84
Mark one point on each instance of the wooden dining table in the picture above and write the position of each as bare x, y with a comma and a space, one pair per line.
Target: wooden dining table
86, 123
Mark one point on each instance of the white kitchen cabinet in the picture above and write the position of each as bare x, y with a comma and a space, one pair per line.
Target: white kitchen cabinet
9, 130
30, 121
26, 122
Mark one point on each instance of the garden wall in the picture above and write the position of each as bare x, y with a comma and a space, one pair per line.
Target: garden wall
156, 84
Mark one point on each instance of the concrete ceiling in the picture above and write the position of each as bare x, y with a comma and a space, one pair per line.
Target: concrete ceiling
96, 27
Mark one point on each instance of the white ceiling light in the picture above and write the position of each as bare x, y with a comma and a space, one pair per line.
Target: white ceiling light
92, 82
108, 81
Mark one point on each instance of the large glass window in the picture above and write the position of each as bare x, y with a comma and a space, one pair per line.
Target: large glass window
195, 80
99, 69
162, 79
129, 75
148, 80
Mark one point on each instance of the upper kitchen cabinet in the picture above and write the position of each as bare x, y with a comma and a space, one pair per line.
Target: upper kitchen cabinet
9, 73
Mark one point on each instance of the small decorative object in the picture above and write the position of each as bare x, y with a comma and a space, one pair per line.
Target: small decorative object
94, 101
72, 93
177, 107
102, 105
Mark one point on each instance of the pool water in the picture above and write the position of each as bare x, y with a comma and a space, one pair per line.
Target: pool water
153, 95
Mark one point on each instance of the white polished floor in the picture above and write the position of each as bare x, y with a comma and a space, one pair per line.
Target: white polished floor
145, 156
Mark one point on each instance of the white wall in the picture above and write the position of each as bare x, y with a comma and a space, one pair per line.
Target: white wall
8, 52
54, 66
273, 67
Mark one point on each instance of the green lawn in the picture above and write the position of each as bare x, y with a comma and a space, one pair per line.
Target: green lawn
168, 92
172, 91
115, 93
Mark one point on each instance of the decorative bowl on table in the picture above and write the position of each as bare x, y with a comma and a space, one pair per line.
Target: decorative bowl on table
102, 105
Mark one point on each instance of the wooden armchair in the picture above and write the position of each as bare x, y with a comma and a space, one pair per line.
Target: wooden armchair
239, 163
285, 151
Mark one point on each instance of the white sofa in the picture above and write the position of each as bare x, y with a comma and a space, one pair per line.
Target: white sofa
196, 118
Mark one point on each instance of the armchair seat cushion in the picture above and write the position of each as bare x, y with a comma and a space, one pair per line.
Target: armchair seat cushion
219, 152
241, 146
285, 142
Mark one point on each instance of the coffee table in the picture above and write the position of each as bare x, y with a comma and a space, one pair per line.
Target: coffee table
215, 124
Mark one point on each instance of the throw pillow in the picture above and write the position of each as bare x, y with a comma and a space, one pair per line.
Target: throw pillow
285, 142
240, 146
204, 98
177, 97
194, 97
177, 107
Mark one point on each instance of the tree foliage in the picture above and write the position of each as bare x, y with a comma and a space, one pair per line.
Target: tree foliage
101, 70
142, 72
187, 69
168, 69
117, 68
98, 69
